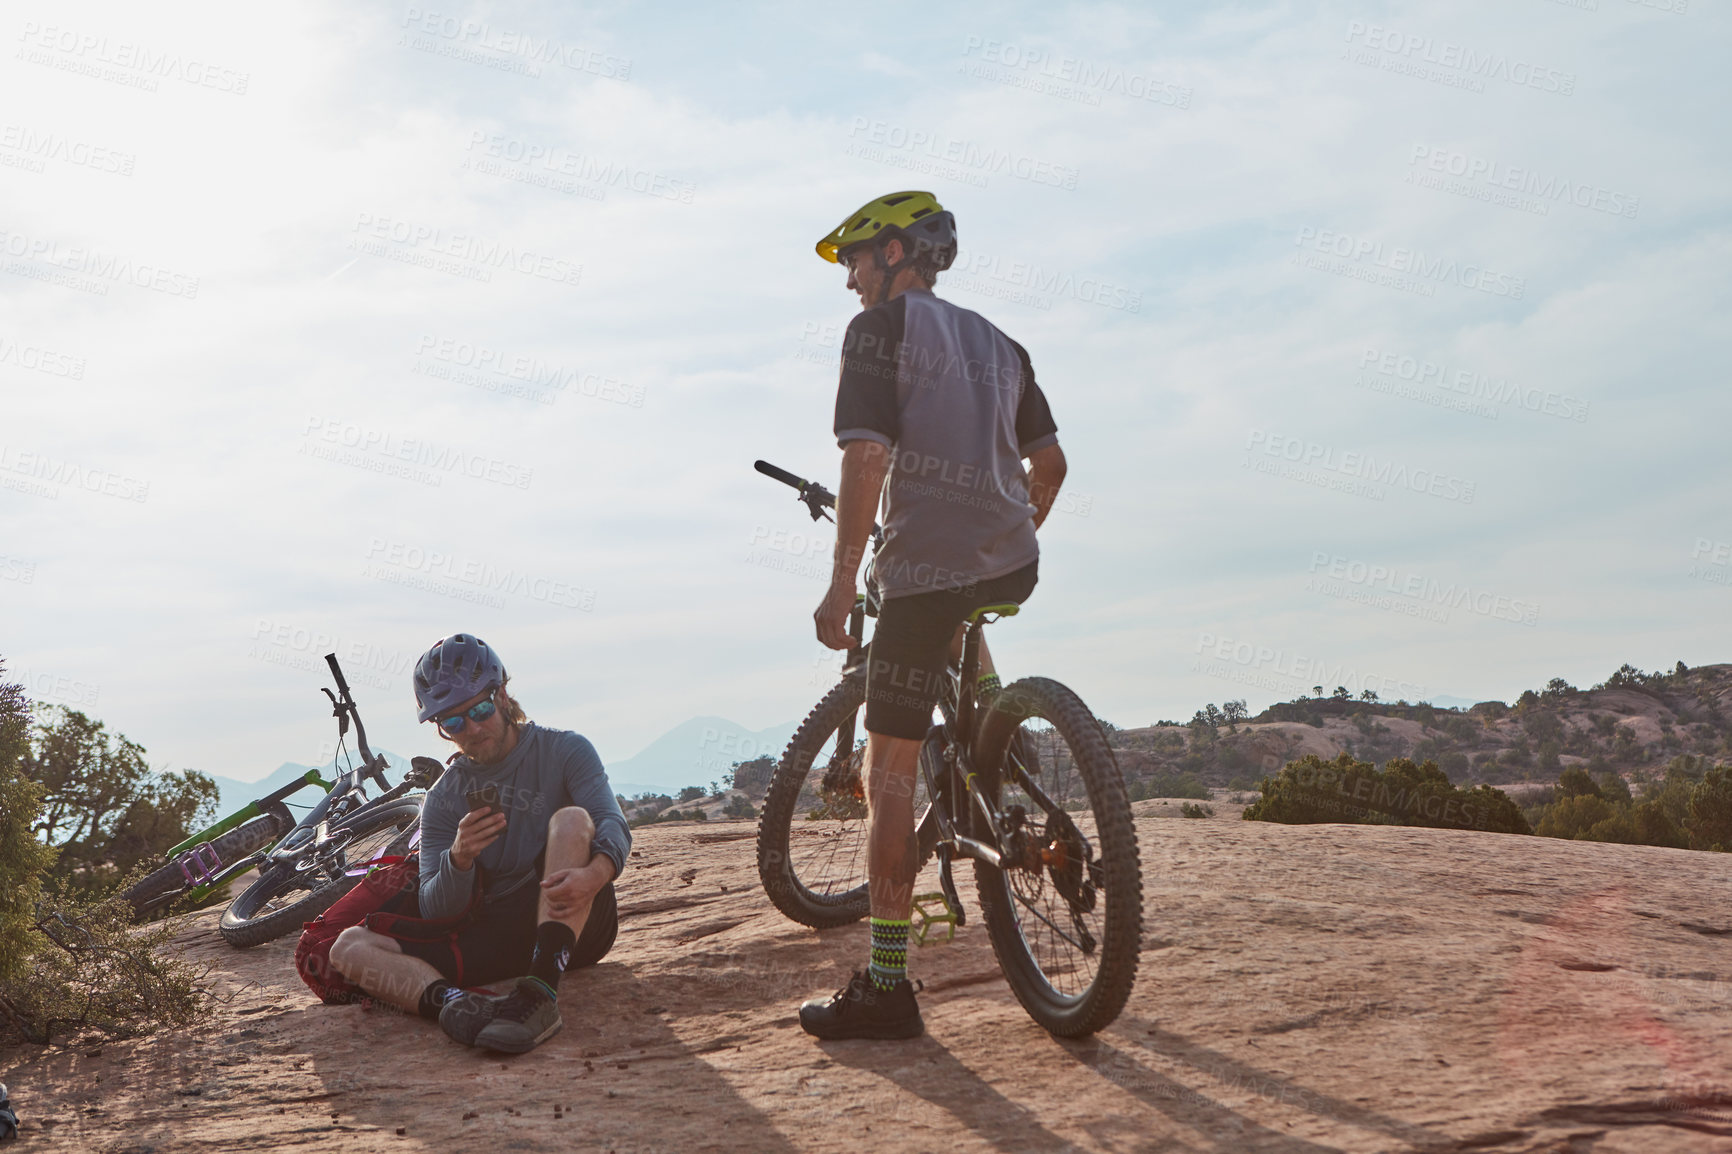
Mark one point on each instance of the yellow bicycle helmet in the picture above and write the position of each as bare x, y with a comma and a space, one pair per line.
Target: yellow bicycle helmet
927, 231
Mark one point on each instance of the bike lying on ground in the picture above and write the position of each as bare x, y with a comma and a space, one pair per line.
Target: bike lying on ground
1024, 785
304, 866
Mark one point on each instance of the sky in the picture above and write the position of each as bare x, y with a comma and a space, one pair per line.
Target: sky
1386, 342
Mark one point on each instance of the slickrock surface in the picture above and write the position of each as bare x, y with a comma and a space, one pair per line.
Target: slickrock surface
1302, 989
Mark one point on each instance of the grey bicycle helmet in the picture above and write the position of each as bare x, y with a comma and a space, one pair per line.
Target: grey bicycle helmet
454, 670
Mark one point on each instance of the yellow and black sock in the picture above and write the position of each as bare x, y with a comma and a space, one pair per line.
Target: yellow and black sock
889, 963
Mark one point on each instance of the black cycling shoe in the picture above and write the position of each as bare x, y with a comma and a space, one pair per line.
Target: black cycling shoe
467, 1013
861, 1010
522, 1019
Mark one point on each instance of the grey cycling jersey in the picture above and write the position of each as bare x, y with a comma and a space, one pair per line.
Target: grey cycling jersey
547, 770
955, 401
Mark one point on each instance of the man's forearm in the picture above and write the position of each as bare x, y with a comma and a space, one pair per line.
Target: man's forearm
864, 464
1047, 468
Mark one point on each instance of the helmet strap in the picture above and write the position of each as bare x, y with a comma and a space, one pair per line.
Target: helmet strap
889, 270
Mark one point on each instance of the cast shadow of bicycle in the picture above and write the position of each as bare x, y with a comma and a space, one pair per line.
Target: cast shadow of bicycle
927, 1069
644, 1091
1197, 1110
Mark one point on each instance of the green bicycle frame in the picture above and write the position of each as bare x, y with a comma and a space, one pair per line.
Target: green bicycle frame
239, 817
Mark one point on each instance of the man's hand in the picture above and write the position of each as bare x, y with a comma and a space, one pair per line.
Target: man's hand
479, 829
832, 617
569, 890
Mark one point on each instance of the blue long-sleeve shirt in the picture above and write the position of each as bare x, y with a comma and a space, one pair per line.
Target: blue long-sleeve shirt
547, 770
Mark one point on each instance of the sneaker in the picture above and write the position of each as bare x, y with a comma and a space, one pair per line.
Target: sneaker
522, 1019
467, 1013
861, 1010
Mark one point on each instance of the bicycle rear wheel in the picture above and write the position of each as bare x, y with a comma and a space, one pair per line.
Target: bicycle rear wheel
1065, 910
292, 892
812, 837
159, 889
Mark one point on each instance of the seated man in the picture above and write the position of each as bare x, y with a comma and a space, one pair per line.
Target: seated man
544, 862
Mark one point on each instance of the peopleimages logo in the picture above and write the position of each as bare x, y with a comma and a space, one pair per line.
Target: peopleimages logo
94, 262
1361, 469
1260, 664
1415, 52
94, 55
1473, 386
467, 578
377, 235
974, 162
410, 451
1487, 178
1069, 77
1372, 577
1408, 262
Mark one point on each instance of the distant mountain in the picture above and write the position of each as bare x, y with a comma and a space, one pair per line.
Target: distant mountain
695, 752
232, 794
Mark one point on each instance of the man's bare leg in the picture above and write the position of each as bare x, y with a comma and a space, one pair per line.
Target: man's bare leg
570, 834
379, 966
892, 845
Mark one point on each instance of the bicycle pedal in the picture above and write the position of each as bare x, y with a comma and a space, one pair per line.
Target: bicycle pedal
922, 920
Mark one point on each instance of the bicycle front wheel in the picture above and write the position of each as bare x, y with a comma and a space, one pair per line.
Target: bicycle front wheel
1064, 912
812, 837
292, 892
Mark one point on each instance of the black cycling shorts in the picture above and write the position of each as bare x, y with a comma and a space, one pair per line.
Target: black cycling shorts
498, 941
911, 648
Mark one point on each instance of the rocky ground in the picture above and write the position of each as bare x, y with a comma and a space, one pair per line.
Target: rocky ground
1307, 988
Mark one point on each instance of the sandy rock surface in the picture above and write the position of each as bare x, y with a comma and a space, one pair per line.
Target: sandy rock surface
1302, 989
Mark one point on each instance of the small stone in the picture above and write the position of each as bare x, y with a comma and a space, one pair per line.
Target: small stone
468, 1114
402, 1130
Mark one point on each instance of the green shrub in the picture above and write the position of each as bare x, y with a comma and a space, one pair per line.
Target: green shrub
1709, 821
92, 970
71, 963
1191, 809
23, 858
1163, 784
1312, 790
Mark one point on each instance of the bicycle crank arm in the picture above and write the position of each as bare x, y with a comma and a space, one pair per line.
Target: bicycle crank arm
251, 861
947, 884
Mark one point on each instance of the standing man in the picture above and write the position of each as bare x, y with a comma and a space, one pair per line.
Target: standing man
936, 412
533, 863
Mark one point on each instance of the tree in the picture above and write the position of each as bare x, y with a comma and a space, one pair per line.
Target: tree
1233, 713
1368, 695
1341, 694
1557, 688
1709, 823
23, 857
102, 807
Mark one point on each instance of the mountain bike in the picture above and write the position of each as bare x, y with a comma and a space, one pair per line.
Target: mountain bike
1024, 785
334, 846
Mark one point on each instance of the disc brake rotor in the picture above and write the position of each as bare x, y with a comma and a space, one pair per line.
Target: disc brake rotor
1065, 854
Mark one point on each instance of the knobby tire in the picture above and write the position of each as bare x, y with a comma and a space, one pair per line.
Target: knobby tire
160, 889
777, 869
1100, 1003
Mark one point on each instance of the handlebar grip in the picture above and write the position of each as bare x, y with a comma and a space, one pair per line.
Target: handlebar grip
342, 685
781, 475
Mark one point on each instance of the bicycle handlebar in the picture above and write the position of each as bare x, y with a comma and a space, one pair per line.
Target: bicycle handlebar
337, 672
370, 766
815, 496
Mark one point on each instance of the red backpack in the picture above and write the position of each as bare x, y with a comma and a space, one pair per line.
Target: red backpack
386, 902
